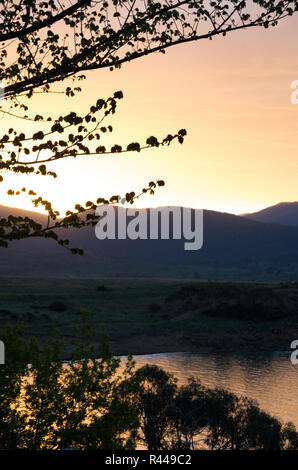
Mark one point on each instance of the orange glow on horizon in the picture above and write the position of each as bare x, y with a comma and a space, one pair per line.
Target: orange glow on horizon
232, 95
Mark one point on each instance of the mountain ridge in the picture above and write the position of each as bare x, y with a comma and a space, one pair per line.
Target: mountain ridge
229, 240
283, 213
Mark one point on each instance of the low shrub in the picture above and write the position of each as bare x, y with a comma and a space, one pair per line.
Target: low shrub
58, 306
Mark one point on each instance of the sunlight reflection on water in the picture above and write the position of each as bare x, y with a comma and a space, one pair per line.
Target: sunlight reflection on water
272, 381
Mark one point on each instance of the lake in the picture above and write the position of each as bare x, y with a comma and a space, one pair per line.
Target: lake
272, 381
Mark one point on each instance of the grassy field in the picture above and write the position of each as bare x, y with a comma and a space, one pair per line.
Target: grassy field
158, 315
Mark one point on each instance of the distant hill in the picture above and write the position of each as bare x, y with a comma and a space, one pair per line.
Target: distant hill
285, 213
6, 211
230, 243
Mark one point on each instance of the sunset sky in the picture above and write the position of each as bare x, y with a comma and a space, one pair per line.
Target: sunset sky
232, 95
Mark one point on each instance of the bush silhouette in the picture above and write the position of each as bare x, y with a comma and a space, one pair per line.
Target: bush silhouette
58, 306
91, 403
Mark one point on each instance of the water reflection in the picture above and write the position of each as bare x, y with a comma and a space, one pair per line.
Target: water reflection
272, 381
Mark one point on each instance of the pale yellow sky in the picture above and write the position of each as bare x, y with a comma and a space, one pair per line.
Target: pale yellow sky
231, 94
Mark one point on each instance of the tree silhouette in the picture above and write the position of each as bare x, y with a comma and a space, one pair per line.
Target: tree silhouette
45, 404
192, 416
93, 402
48, 42
100, 33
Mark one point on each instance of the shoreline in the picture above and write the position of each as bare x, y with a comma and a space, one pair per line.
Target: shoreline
158, 317
149, 345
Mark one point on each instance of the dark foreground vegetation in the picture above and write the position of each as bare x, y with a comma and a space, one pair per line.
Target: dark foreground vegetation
158, 315
92, 403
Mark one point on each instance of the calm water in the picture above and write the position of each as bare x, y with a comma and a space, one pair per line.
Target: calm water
273, 382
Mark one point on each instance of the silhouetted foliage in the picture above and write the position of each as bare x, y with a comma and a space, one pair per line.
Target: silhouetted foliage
92, 403
47, 42
154, 307
58, 306
103, 288
106, 34
230, 300
52, 405
191, 416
